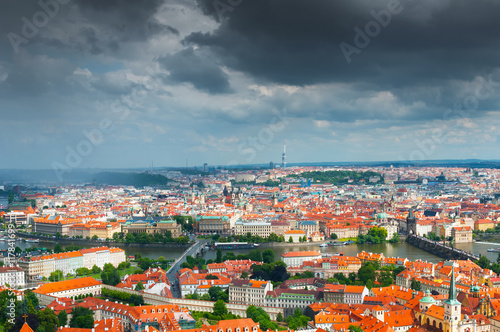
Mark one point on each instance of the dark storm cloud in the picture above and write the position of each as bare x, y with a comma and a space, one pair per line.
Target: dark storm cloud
188, 66
96, 27
297, 42
125, 20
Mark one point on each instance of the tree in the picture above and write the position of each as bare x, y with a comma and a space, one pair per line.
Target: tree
95, 269
110, 276
244, 275
366, 272
48, 319
395, 238
353, 328
415, 285
220, 308
290, 240
63, 318
333, 236
268, 256
82, 318
279, 318
32, 321
58, 248
82, 271
139, 286
218, 258
483, 262
279, 273
57, 275
255, 255
95, 237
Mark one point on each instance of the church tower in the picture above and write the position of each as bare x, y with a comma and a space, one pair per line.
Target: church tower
411, 223
452, 308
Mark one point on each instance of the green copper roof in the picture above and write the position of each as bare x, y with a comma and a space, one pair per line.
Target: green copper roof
427, 298
382, 215
452, 293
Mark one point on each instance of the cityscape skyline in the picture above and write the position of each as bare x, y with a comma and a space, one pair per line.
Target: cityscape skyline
227, 85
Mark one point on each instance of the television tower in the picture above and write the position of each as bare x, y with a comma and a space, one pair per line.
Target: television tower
283, 157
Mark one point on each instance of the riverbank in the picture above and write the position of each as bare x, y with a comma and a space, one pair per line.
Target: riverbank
94, 243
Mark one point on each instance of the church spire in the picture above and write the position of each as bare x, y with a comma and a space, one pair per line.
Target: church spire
452, 293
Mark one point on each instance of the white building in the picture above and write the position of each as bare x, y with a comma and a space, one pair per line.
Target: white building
68, 288
296, 258
260, 228
12, 276
249, 292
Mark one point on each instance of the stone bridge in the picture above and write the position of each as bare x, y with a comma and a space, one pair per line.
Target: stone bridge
439, 249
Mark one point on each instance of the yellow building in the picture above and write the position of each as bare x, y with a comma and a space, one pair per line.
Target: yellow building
100, 229
484, 224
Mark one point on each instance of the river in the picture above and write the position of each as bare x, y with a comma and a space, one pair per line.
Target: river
4, 201
388, 249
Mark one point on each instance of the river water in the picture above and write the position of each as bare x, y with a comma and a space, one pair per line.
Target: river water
388, 249
4, 201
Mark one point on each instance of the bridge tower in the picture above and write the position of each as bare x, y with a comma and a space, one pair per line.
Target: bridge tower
411, 223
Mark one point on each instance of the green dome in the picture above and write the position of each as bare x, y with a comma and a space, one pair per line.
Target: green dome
428, 298
475, 289
382, 215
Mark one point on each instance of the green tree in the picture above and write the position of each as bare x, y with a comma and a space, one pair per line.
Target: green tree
95, 269
220, 308
290, 240
279, 318
58, 248
268, 256
484, 262
366, 272
32, 321
110, 276
63, 318
333, 236
31, 298
255, 255
57, 275
415, 285
353, 328
95, 237
139, 286
218, 258
395, 238
82, 318
48, 319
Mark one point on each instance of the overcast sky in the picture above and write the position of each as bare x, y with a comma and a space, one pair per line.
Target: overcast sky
109, 83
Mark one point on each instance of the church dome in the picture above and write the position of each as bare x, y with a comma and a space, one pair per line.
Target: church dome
428, 298
382, 215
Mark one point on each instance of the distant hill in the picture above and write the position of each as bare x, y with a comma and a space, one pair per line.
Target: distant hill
340, 177
130, 179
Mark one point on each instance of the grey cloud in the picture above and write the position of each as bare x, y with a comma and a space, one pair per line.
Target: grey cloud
428, 44
188, 66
